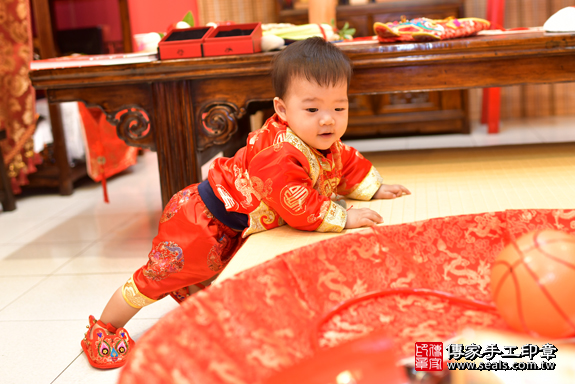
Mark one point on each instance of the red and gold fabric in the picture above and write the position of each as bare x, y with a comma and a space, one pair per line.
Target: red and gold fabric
423, 29
17, 97
106, 153
249, 335
191, 247
278, 179
106, 346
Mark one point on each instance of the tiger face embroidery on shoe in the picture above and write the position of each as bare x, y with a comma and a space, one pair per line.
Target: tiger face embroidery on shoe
106, 350
111, 347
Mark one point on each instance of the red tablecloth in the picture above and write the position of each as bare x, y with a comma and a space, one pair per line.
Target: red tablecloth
261, 321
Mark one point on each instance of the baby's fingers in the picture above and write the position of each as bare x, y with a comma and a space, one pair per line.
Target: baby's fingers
404, 190
389, 195
366, 222
373, 216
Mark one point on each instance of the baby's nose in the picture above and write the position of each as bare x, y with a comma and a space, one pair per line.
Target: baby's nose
327, 119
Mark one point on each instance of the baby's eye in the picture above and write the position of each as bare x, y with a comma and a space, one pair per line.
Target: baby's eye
340, 109
311, 110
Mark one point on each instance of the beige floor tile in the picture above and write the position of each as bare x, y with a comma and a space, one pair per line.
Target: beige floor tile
35, 207
36, 352
73, 229
13, 287
73, 297
37, 258
143, 226
12, 225
109, 256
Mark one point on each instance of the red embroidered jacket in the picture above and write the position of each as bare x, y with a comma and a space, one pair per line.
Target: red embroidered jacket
278, 179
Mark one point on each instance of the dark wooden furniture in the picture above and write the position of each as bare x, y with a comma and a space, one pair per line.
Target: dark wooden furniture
188, 110
45, 27
403, 113
7, 198
61, 175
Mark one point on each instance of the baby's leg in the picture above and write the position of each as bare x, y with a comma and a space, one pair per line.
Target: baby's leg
117, 312
191, 247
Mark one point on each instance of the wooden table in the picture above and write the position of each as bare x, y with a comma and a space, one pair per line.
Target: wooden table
189, 110
62, 175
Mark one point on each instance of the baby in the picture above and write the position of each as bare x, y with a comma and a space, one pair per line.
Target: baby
287, 173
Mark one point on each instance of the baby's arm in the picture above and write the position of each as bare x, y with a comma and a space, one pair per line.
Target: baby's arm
281, 178
362, 217
365, 217
361, 181
390, 191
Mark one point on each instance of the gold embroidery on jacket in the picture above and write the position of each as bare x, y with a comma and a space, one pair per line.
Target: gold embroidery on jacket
314, 166
367, 188
263, 190
280, 137
326, 186
255, 135
326, 165
321, 214
133, 296
293, 199
263, 214
334, 220
243, 186
227, 198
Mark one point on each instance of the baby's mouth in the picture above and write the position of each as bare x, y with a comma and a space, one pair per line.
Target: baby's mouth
326, 134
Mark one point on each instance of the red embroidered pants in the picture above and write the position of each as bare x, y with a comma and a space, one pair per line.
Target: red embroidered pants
191, 247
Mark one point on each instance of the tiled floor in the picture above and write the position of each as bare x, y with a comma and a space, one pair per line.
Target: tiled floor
62, 257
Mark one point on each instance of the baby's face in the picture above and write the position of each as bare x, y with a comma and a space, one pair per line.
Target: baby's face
318, 115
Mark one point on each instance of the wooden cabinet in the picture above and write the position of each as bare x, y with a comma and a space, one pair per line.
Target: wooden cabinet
395, 114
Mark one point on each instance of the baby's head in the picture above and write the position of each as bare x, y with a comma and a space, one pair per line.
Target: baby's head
311, 78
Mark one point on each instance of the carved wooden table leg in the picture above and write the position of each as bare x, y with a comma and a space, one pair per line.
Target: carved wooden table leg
175, 141
66, 186
189, 132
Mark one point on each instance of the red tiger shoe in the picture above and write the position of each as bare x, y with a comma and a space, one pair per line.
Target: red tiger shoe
106, 350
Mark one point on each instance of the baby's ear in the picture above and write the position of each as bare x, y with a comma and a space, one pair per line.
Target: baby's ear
280, 108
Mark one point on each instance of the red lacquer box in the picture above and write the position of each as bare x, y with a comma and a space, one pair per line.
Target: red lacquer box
235, 39
183, 43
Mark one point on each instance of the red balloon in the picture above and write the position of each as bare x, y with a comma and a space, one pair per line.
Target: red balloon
533, 284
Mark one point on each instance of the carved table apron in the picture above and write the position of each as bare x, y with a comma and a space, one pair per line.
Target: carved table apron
189, 110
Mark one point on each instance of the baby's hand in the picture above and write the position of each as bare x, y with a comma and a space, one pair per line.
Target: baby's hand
390, 191
362, 217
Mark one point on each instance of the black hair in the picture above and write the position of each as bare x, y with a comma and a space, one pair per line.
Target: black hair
314, 59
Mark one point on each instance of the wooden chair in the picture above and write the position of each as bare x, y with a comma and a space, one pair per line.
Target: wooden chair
6, 196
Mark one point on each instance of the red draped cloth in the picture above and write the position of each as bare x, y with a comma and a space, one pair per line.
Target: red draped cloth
17, 97
264, 320
106, 153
